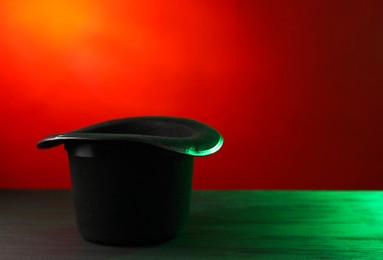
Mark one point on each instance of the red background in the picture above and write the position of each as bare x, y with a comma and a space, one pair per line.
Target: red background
295, 87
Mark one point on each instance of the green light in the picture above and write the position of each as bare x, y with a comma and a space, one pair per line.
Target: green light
279, 225
192, 151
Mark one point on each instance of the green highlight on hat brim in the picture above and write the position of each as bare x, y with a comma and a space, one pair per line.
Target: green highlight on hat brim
192, 151
181, 135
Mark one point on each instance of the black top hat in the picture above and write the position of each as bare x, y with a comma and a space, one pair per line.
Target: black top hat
132, 177
179, 135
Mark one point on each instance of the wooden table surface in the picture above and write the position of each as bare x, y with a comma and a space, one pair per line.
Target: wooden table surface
40, 224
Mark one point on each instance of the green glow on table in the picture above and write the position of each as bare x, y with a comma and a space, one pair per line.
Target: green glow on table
280, 225
223, 225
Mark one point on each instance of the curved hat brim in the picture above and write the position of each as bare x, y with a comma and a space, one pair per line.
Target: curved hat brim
176, 134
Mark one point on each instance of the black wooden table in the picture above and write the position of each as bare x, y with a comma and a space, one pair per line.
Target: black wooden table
38, 224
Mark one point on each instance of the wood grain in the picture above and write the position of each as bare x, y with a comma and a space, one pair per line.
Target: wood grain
37, 224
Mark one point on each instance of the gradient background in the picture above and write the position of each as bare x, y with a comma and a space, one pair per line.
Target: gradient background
295, 87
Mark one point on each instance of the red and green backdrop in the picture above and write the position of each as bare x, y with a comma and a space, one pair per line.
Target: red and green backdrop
295, 87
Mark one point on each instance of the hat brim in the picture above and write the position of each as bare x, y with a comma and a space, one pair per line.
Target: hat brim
176, 134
